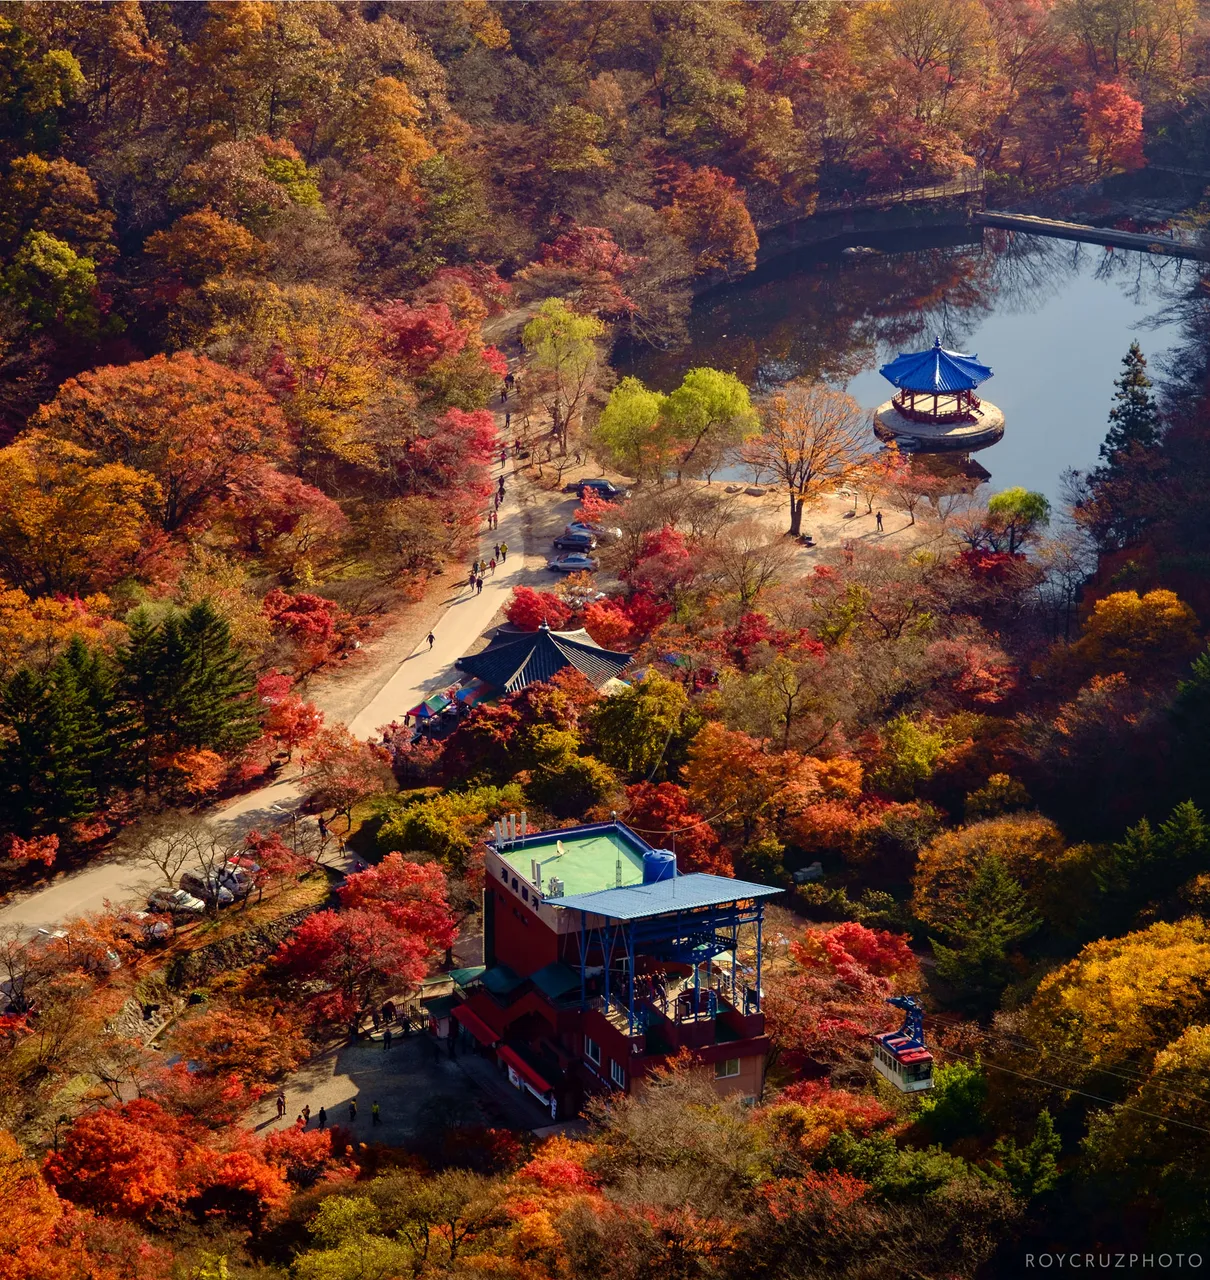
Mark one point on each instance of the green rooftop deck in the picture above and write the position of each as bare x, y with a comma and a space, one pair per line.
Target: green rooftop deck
586, 862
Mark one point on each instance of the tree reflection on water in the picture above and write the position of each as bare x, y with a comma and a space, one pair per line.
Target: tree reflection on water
828, 316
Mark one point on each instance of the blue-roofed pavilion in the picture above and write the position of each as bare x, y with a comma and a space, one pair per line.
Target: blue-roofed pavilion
937, 385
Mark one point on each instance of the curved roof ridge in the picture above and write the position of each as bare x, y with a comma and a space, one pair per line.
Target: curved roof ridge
935, 370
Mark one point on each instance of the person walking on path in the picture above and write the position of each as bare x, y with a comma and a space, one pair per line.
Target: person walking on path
878, 521
503, 456
352, 1110
508, 421
431, 639
491, 564
496, 551
281, 1105
307, 1113
504, 394
323, 1118
478, 586
500, 482
503, 552
386, 1039
375, 1115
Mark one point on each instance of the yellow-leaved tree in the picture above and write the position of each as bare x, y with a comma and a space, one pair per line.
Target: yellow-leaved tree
69, 522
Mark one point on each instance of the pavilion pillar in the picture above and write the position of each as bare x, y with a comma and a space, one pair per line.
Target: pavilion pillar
630, 957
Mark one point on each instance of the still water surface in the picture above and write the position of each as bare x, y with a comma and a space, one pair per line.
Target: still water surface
1052, 318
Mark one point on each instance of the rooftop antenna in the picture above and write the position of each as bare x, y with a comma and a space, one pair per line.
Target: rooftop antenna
617, 873
524, 823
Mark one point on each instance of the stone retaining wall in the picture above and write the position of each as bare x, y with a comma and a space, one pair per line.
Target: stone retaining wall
252, 946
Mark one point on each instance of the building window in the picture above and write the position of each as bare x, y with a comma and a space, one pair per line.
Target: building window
727, 1068
616, 1074
592, 1050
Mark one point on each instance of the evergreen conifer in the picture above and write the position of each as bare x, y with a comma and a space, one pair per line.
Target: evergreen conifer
50, 747
1134, 419
995, 917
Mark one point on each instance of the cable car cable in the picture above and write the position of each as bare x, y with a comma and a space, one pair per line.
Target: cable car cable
1083, 1093
1129, 1078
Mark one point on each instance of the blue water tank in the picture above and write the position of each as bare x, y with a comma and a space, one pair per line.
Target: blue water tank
658, 864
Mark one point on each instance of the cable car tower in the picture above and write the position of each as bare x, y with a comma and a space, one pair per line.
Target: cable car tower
901, 1056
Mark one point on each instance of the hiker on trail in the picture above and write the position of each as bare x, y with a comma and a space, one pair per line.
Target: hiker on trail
281, 1105
503, 552
503, 454
386, 1039
503, 393
307, 1113
491, 564
300, 1121
352, 1110
375, 1117
878, 520
508, 419
501, 484
509, 380
478, 586
496, 551
431, 639
323, 1118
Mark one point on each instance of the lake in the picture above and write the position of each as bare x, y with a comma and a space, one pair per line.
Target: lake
1053, 319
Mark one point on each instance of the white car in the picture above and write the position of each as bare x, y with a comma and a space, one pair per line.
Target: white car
175, 900
573, 562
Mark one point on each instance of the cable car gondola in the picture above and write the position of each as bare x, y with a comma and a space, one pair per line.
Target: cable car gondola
901, 1056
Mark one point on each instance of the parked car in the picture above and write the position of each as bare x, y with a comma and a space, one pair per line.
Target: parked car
600, 532
149, 929
578, 541
239, 873
175, 900
602, 488
573, 562
210, 888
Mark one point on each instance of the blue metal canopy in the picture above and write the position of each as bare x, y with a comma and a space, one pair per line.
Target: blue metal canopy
682, 893
935, 370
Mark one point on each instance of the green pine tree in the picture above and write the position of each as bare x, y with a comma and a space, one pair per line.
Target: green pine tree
185, 685
51, 742
216, 706
1033, 1169
1150, 862
995, 917
92, 675
1134, 419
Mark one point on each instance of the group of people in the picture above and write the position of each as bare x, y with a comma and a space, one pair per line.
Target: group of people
303, 1118
481, 568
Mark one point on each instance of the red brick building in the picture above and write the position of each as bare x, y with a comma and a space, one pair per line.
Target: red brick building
601, 962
